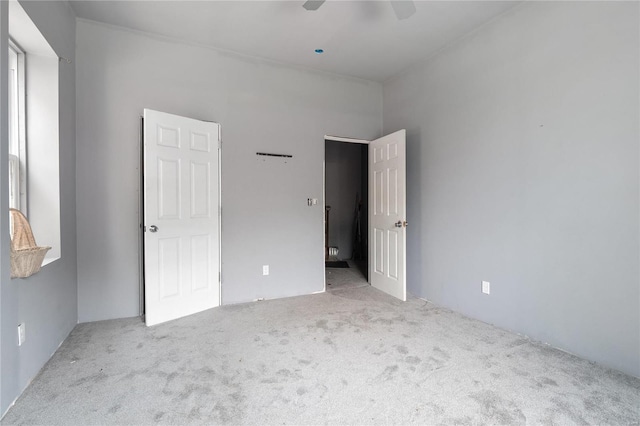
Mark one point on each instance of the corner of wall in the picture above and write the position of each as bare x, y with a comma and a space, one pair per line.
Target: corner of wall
47, 301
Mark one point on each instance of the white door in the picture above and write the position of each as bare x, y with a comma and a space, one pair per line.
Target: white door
387, 195
181, 216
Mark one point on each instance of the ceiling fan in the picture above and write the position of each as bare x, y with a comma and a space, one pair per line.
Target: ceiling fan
402, 8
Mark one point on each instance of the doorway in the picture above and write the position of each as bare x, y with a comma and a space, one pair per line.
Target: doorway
386, 223
346, 213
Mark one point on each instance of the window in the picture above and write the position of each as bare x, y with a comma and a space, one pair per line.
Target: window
34, 129
17, 136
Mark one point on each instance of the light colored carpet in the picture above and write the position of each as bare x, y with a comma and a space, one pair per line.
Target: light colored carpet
341, 278
353, 356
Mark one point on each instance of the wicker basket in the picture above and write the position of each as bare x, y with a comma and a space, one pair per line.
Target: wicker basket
26, 256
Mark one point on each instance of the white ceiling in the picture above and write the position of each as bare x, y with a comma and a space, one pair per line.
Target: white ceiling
360, 38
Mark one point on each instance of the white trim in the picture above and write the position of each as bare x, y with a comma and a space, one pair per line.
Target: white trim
344, 139
48, 260
14, 182
219, 214
325, 234
17, 118
22, 131
141, 218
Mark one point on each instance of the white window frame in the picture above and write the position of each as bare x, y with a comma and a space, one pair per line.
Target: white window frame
40, 130
14, 182
17, 129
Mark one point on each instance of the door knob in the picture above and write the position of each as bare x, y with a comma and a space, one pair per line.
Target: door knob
398, 224
153, 228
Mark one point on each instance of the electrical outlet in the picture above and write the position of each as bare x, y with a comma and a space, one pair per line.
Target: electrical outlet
265, 269
486, 287
22, 334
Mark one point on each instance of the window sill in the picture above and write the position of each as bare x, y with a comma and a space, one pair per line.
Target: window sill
49, 259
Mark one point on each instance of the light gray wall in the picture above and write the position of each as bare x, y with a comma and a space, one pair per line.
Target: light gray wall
261, 107
523, 171
45, 302
343, 182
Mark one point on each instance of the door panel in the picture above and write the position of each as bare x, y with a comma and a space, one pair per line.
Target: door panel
181, 210
200, 268
393, 191
168, 187
169, 267
200, 142
387, 177
168, 136
378, 192
200, 190
378, 244
392, 242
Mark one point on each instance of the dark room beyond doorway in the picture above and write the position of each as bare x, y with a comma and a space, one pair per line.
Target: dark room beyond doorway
346, 213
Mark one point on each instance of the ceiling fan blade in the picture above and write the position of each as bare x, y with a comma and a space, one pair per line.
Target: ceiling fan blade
403, 8
313, 4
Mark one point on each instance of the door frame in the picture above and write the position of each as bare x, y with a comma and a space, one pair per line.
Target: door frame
141, 221
324, 197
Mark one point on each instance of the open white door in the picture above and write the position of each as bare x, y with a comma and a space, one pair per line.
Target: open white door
387, 208
181, 216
